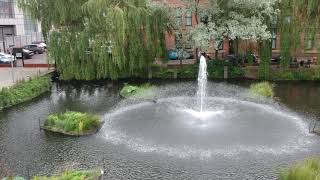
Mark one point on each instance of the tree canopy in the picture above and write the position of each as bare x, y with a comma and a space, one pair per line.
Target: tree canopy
93, 39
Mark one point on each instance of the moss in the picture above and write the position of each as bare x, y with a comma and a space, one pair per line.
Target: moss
24, 91
308, 170
144, 91
73, 123
73, 175
262, 89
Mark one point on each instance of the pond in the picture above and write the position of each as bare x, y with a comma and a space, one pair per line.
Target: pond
245, 137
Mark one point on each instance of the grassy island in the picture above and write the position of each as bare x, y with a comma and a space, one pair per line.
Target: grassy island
73, 123
264, 89
73, 175
23, 91
308, 170
144, 91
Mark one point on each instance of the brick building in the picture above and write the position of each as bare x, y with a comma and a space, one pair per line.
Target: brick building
307, 50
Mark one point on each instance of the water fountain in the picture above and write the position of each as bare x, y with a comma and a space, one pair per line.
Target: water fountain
218, 125
202, 82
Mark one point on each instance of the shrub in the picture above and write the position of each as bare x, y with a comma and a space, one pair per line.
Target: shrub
216, 69
144, 91
23, 91
73, 175
163, 73
189, 71
262, 89
308, 170
72, 122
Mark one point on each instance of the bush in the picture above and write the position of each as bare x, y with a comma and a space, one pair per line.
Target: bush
163, 73
144, 91
308, 170
188, 72
73, 175
216, 69
23, 91
262, 89
73, 123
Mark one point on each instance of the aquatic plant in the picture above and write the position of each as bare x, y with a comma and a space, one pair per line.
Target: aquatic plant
308, 170
262, 89
23, 91
72, 123
144, 91
73, 175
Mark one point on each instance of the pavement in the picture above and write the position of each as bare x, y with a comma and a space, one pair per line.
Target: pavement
37, 59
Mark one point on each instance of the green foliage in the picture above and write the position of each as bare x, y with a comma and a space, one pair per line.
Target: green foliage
216, 69
308, 170
73, 175
23, 91
306, 74
144, 91
266, 55
96, 39
264, 89
188, 72
72, 122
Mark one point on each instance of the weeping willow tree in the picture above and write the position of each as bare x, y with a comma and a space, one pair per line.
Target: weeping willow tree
296, 17
95, 39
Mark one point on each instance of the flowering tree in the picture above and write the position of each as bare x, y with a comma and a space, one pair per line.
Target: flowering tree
232, 19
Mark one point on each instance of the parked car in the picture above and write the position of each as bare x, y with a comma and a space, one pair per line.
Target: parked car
6, 58
41, 44
37, 49
174, 54
25, 53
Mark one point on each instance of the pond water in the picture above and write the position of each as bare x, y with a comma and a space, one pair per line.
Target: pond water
237, 136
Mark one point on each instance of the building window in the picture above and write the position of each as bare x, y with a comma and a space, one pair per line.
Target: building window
178, 18
189, 43
179, 42
220, 45
30, 25
189, 18
308, 41
274, 38
6, 9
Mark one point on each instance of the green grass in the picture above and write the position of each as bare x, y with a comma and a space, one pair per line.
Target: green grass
308, 170
24, 91
73, 175
73, 123
262, 89
144, 91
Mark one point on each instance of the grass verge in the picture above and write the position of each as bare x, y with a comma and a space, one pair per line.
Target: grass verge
23, 91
